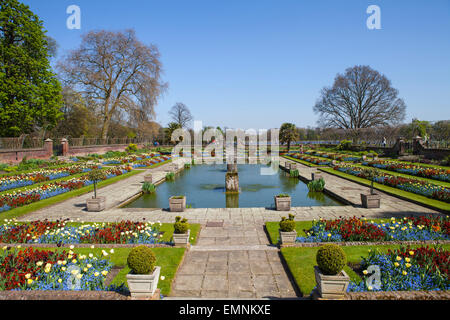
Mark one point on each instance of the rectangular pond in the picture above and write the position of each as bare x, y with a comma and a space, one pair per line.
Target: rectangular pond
204, 187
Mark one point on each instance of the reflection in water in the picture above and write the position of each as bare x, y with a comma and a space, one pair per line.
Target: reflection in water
232, 200
204, 187
318, 196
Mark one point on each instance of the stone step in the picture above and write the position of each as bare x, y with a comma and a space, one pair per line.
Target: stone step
233, 248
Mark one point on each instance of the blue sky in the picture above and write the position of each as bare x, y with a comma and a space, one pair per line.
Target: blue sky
258, 63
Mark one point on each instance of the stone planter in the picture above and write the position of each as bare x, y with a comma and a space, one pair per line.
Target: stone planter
316, 176
181, 239
177, 204
370, 201
96, 204
282, 203
148, 178
288, 237
331, 287
293, 166
143, 285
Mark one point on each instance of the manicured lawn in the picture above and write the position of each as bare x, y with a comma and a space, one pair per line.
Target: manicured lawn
301, 262
393, 191
167, 258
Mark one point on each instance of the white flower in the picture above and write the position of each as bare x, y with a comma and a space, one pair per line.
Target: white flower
162, 277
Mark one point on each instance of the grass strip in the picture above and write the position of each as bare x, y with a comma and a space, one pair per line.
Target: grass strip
301, 262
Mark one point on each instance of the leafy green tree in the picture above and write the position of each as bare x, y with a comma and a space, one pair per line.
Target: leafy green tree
171, 127
30, 94
288, 134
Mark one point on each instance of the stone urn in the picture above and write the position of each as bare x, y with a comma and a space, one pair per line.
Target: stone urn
96, 204
370, 201
331, 287
177, 203
148, 178
288, 237
316, 176
282, 203
143, 285
181, 239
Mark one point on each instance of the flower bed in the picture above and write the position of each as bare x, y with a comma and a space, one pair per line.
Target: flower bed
21, 198
124, 232
405, 269
414, 170
131, 159
420, 187
314, 160
31, 269
150, 162
357, 229
333, 156
26, 179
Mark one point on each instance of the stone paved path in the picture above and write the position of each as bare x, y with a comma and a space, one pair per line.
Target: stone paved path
233, 261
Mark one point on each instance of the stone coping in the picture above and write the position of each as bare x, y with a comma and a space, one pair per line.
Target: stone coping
399, 295
364, 243
69, 295
85, 245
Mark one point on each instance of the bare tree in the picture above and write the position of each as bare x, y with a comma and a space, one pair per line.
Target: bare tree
116, 70
180, 114
360, 98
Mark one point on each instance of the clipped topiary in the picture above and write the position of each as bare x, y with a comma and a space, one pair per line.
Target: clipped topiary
181, 226
331, 259
287, 225
141, 260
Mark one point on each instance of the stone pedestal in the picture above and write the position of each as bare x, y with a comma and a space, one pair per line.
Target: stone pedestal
232, 182
148, 178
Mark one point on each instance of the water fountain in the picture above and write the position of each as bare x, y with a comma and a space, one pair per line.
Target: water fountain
232, 177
